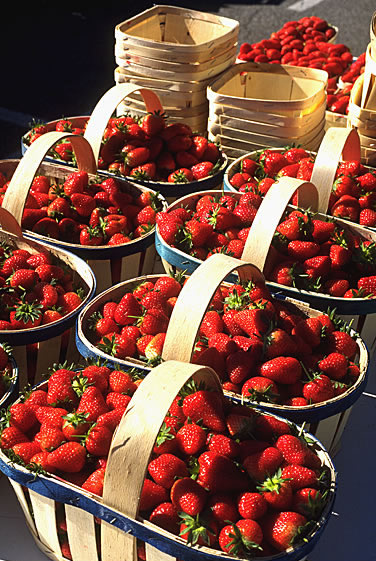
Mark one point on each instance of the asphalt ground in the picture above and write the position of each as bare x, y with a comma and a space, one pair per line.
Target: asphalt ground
58, 58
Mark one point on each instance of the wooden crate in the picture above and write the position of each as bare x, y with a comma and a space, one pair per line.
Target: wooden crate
174, 49
177, 34
41, 496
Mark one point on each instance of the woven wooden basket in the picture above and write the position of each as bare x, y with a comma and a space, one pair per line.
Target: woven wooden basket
40, 496
109, 263
254, 105
106, 106
325, 420
37, 348
175, 49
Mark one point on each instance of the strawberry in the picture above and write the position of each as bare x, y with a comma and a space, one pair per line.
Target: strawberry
277, 491
251, 505
205, 405
188, 496
190, 439
152, 495
94, 483
202, 170
127, 309
241, 538
334, 365
342, 342
201, 529
92, 403
293, 449
281, 528
219, 473
309, 502
98, 440
165, 468
263, 463
153, 123
282, 369
10, 436
260, 388
272, 162
70, 457
300, 476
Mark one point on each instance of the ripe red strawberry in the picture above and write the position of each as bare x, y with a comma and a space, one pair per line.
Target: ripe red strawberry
334, 365
205, 405
223, 445
94, 483
70, 457
302, 250
10, 436
22, 416
127, 310
318, 389
277, 491
165, 468
300, 476
188, 496
272, 162
92, 402
202, 170
153, 123
252, 505
280, 528
260, 388
190, 439
98, 440
241, 538
260, 465
152, 495
219, 473
293, 449
201, 529
342, 342
223, 508
283, 369
75, 182
26, 450
165, 515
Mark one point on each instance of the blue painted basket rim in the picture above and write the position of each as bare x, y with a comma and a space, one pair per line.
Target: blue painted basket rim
44, 332
60, 491
183, 261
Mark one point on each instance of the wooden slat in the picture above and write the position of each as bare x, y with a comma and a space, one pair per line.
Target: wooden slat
81, 534
102, 272
45, 521
153, 554
48, 354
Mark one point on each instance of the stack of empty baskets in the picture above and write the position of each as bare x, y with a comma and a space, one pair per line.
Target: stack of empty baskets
256, 105
362, 105
176, 52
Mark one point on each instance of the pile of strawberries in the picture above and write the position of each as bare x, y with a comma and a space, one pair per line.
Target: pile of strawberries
220, 474
301, 43
260, 347
338, 95
62, 150
353, 193
35, 289
87, 212
6, 370
146, 149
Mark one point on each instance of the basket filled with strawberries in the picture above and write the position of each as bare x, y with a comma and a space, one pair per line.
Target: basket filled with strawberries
167, 157
346, 186
240, 330
8, 376
150, 149
42, 291
228, 483
107, 221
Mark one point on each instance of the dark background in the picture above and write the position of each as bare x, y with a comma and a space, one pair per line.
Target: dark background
57, 58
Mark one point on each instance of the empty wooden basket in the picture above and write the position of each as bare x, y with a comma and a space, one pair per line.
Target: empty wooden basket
274, 104
176, 51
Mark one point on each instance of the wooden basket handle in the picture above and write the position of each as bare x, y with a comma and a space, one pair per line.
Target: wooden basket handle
106, 106
270, 213
9, 224
19, 186
194, 299
368, 99
337, 142
133, 443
